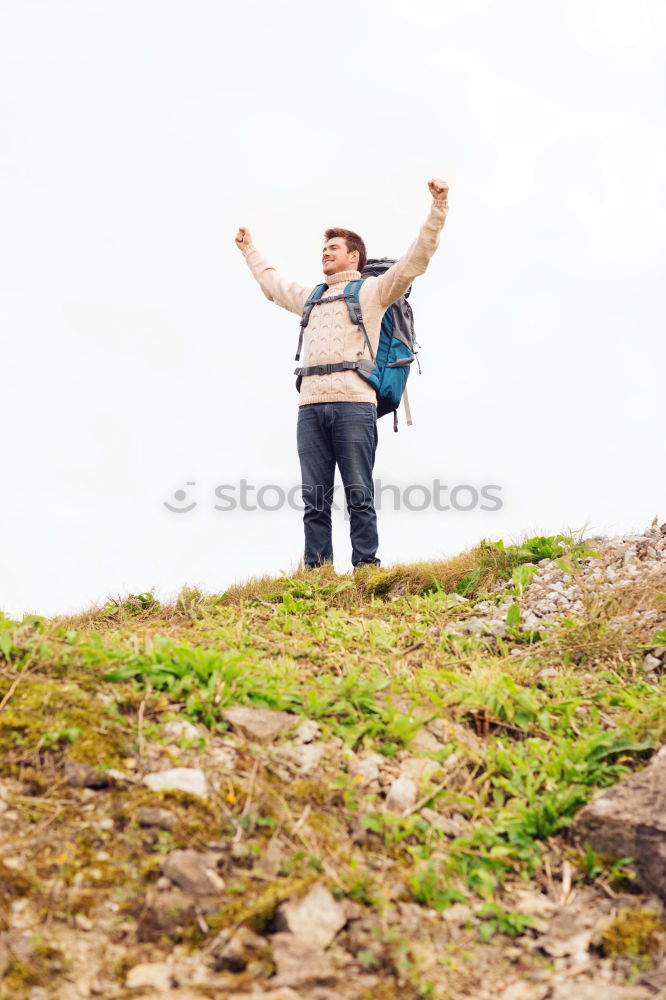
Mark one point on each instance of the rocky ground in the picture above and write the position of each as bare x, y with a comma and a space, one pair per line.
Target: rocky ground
268, 853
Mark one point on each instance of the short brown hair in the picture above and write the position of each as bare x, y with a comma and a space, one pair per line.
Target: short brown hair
353, 241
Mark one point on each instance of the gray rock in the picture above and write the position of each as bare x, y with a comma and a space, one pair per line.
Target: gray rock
156, 975
448, 825
181, 779
164, 819
520, 990
401, 796
314, 919
307, 756
306, 732
235, 953
425, 741
260, 725
582, 989
457, 913
474, 625
629, 820
300, 965
79, 775
417, 768
165, 912
365, 767
178, 728
193, 872
282, 993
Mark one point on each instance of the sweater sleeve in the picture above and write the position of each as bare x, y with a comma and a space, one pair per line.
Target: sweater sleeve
395, 282
287, 294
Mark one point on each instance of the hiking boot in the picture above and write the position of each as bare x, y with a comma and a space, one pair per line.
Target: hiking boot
364, 563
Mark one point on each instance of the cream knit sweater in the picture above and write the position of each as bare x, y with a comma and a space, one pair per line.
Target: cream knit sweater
330, 336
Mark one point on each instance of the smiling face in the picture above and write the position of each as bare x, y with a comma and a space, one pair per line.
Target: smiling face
336, 257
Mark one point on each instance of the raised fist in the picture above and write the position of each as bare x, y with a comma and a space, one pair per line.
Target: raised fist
243, 238
438, 189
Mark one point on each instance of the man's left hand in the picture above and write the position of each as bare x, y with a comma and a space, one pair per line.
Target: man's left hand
438, 189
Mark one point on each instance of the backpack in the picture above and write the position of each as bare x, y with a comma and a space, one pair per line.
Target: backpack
388, 370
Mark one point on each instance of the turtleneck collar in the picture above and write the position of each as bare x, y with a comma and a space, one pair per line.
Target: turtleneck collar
342, 276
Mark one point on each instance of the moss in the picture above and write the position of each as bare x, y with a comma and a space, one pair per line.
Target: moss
45, 716
634, 932
39, 967
258, 903
197, 821
13, 884
304, 790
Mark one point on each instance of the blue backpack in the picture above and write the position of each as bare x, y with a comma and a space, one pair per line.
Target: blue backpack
388, 370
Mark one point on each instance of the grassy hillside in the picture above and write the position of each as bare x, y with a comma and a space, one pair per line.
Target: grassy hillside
425, 773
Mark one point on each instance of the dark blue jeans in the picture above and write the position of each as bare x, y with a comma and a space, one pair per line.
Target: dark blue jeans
344, 434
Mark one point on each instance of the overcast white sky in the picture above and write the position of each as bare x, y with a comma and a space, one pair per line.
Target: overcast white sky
139, 355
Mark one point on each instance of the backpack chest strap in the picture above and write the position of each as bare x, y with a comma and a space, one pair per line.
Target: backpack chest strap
351, 297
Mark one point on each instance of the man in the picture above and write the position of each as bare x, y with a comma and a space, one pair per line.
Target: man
337, 418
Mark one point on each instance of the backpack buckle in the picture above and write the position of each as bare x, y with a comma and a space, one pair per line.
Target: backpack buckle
321, 369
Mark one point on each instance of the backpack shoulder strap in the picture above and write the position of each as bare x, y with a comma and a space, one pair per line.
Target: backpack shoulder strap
312, 298
354, 306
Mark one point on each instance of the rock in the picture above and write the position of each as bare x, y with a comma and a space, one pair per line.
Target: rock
272, 857
534, 904
305, 756
434, 632
283, 993
309, 756
193, 872
457, 913
164, 819
577, 946
5, 957
79, 775
306, 732
365, 767
401, 796
260, 725
225, 756
416, 768
425, 741
180, 779
448, 825
237, 952
300, 965
179, 728
156, 975
165, 912
314, 919
629, 821
474, 625
651, 662
520, 990
581, 989
169, 912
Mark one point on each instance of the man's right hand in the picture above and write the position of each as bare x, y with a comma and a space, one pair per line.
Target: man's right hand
243, 238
